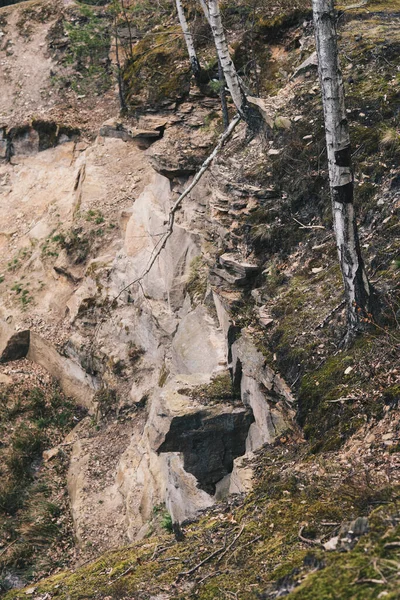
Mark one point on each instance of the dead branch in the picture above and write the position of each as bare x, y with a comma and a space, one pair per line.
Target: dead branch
307, 540
302, 226
224, 550
201, 563
231, 544
128, 570
8, 547
391, 545
330, 315
379, 581
208, 577
171, 217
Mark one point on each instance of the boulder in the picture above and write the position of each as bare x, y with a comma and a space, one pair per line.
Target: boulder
72, 378
310, 64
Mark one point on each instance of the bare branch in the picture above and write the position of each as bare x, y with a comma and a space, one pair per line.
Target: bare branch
171, 218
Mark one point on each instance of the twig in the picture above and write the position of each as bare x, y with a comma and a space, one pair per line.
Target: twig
157, 551
369, 581
342, 399
391, 545
8, 547
208, 577
201, 563
330, 315
307, 226
231, 544
128, 570
177, 205
224, 550
307, 540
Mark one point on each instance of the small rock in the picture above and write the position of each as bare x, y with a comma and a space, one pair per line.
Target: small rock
316, 270
49, 454
282, 123
348, 370
265, 317
30, 591
332, 543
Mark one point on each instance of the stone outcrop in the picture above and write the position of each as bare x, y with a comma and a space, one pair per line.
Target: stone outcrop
158, 348
74, 381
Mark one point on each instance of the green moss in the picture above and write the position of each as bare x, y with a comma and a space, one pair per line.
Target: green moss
158, 70
219, 390
261, 536
329, 409
196, 285
273, 27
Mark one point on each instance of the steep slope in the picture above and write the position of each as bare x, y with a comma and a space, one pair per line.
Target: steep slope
222, 369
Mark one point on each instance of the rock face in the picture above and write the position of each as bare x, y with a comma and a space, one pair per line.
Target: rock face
264, 391
70, 375
155, 347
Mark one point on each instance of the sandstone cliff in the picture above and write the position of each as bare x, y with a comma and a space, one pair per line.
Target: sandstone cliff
215, 387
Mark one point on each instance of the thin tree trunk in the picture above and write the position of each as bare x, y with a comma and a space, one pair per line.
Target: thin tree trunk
188, 39
121, 92
222, 95
128, 24
213, 15
358, 293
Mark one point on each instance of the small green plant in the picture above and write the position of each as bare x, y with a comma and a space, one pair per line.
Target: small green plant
166, 522
89, 47
24, 296
94, 215
13, 265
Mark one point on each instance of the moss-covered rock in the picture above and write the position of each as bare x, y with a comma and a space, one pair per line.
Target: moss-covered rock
158, 71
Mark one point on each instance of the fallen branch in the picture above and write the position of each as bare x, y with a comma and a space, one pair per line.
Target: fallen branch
208, 577
307, 540
201, 563
171, 217
330, 315
8, 547
302, 226
342, 399
378, 581
224, 550
231, 544
128, 570
391, 545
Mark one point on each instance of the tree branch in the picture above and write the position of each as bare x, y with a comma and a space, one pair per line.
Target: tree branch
171, 217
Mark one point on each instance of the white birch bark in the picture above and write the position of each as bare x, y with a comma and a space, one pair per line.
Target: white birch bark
356, 286
213, 15
188, 39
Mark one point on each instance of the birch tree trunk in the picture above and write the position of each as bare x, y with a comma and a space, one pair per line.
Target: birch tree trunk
213, 15
222, 96
358, 293
188, 39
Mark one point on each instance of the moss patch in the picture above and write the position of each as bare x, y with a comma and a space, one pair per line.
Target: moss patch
158, 71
